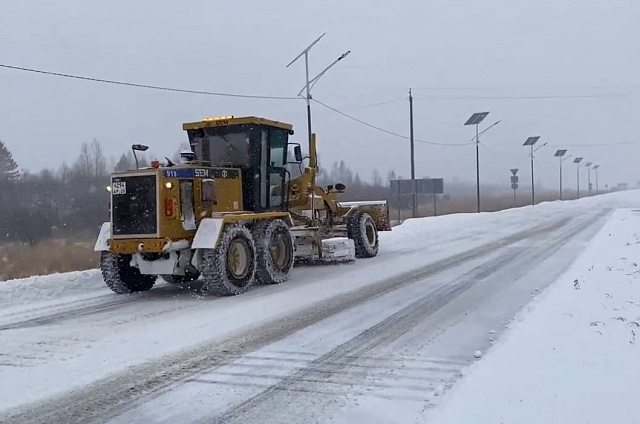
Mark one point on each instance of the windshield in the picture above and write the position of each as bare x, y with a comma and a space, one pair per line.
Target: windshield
222, 148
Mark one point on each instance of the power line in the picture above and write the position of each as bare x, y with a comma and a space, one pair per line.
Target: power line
546, 97
403, 99
384, 130
152, 87
596, 144
505, 155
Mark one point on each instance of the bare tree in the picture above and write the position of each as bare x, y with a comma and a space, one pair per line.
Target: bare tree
377, 179
99, 161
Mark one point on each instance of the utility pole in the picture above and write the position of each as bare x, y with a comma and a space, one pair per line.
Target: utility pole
595, 168
413, 163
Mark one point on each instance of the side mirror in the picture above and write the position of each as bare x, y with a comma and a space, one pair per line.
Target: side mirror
341, 187
297, 152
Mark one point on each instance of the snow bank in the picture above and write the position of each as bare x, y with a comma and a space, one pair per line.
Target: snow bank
28, 290
574, 355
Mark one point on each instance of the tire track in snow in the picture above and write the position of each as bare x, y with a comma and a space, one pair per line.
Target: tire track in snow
300, 390
77, 308
106, 398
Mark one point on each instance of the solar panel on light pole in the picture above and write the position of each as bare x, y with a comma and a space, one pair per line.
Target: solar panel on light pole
475, 119
530, 142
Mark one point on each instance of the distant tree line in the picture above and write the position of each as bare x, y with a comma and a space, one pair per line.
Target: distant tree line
69, 201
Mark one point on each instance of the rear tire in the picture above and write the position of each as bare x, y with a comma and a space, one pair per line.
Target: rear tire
121, 277
361, 228
229, 269
275, 251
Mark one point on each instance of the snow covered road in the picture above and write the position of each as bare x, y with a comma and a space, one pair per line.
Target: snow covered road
376, 341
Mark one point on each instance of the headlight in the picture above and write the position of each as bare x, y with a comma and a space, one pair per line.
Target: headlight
168, 184
108, 188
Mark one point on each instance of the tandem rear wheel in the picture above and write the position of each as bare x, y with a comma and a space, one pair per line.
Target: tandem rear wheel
264, 255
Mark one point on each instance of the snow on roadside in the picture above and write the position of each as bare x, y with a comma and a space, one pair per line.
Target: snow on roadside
32, 289
574, 355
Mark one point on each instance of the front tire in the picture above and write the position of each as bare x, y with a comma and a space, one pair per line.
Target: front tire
121, 277
361, 228
230, 268
274, 246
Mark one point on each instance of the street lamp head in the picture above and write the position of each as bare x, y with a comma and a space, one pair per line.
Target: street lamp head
577, 160
560, 153
476, 118
596, 166
531, 141
588, 164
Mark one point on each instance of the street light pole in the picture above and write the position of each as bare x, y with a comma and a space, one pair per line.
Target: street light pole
307, 87
559, 154
595, 168
533, 188
311, 82
530, 142
577, 162
588, 165
476, 119
477, 169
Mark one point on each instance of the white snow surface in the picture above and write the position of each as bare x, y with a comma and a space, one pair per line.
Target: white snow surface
573, 356
63, 332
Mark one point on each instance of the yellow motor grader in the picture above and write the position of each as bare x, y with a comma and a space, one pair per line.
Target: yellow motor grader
230, 213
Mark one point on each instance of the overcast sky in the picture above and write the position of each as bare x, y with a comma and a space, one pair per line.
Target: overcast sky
460, 56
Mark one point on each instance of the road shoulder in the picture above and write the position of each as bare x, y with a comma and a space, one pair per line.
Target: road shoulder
572, 355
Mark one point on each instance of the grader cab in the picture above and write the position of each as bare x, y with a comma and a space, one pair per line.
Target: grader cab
230, 214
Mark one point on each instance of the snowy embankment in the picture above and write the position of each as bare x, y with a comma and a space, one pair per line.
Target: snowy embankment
574, 355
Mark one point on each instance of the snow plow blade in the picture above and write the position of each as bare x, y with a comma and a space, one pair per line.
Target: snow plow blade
338, 249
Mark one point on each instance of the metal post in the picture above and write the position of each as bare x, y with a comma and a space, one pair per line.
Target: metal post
588, 180
560, 157
435, 212
515, 201
477, 168
533, 190
597, 188
578, 177
308, 97
413, 169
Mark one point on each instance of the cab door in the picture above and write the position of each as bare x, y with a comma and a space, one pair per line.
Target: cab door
277, 154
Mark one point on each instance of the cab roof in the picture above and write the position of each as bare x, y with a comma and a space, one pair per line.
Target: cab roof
227, 121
